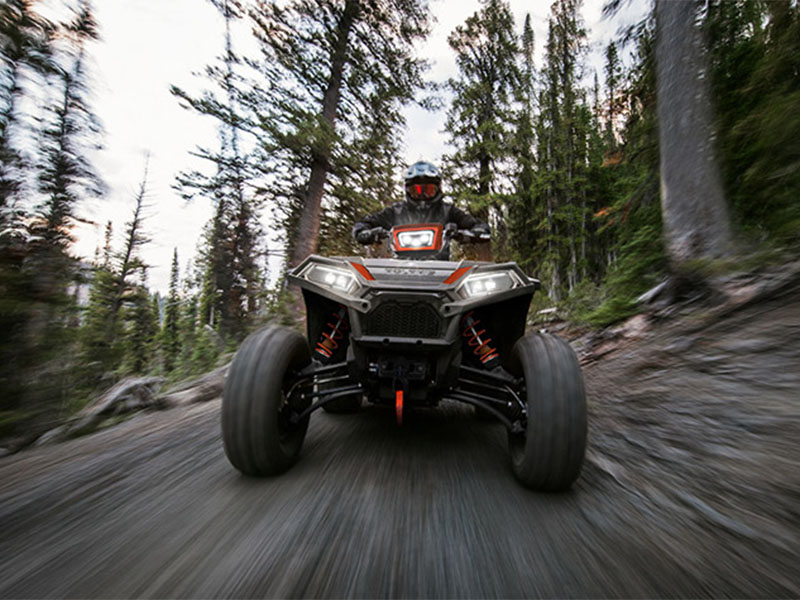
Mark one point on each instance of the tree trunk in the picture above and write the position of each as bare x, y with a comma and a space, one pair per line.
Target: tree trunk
308, 228
696, 220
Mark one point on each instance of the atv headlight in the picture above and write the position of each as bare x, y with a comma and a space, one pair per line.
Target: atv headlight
483, 284
416, 239
340, 280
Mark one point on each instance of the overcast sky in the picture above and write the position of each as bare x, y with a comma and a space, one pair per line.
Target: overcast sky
147, 45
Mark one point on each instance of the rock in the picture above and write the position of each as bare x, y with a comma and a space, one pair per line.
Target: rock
4, 452
53, 435
203, 389
635, 327
129, 395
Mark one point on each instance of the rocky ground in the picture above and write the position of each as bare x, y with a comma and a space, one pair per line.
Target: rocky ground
691, 487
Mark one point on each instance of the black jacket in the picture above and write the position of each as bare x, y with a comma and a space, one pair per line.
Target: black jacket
412, 213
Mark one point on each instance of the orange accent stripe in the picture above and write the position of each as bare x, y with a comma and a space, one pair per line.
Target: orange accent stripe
457, 274
363, 270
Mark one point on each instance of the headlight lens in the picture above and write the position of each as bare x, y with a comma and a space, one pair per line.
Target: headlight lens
333, 278
416, 239
483, 284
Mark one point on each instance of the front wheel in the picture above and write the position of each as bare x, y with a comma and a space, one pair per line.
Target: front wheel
549, 454
256, 433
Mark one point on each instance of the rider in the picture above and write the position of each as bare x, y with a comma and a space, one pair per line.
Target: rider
424, 204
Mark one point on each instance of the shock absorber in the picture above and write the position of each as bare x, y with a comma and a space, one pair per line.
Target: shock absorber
331, 335
479, 341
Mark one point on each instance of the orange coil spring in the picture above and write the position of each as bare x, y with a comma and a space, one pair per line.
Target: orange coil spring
330, 341
481, 346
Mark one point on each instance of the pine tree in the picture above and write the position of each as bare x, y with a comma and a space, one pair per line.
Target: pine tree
25, 44
140, 327
365, 179
753, 50
324, 64
629, 220
66, 177
234, 255
170, 334
188, 330
113, 283
561, 150
477, 122
521, 211
613, 108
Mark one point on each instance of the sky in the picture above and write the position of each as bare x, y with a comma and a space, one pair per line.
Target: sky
148, 45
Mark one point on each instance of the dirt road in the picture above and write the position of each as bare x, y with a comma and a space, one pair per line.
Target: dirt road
691, 488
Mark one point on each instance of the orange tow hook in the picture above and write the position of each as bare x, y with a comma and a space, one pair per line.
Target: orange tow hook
398, 406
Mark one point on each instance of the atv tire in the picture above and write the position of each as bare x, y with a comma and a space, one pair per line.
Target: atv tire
549, 455
258, 439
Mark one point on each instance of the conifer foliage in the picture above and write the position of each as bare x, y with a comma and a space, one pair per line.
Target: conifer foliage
480, 118
581, 174
333, 72
233, 256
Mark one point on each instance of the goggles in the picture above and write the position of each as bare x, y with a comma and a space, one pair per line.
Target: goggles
422, 191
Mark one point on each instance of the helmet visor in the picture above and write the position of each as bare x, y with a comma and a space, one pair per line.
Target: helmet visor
422, 191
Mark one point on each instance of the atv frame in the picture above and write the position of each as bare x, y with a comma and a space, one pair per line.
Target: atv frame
405, 344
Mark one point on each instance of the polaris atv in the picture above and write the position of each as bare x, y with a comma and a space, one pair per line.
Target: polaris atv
409, 332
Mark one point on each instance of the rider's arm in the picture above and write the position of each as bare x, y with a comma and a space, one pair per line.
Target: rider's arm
464, 220
383, 218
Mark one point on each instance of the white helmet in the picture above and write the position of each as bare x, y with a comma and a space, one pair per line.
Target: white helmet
423, 182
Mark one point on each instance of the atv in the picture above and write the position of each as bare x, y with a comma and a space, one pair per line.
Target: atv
409, 332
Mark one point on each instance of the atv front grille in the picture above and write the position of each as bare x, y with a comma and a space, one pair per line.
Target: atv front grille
403, 319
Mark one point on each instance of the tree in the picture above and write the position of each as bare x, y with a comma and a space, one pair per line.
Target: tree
233, 259
25, 42
140, 327
613, 74
114, 282
696, 219
477, 122
521, 210
561, 146
753, 50
65, 177
170, 334
325, 63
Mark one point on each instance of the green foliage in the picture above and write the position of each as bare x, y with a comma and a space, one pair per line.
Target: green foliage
170, 333
139, 332
335, 76
480, 116
232, 260
205, 351
755, 53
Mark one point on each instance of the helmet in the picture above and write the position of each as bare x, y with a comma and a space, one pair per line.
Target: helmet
423, 182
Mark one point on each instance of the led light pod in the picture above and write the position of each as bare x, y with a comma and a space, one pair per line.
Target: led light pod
340, 280
484, 284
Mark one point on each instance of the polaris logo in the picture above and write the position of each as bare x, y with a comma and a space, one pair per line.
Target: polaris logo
406, 271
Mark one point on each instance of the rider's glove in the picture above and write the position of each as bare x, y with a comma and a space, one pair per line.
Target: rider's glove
480, 228
370, 236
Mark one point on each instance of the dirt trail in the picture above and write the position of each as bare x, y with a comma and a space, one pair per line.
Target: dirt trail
691, 489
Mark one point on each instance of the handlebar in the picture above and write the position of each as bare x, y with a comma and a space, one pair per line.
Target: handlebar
467, 236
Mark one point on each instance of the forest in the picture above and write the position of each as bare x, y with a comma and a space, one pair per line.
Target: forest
584, 176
